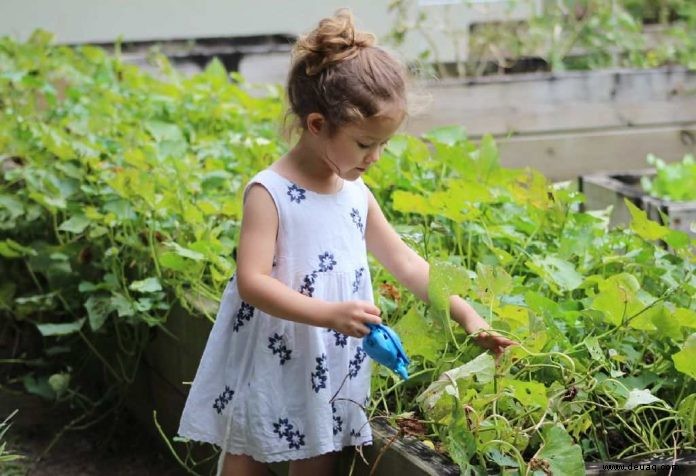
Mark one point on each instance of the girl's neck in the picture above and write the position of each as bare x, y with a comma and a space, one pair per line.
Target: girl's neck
305, 164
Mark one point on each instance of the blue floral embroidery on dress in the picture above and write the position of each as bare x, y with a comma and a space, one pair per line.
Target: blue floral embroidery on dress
358, 276
354, 434
223, 399
307, 287
355, 364
341, 339
245, 313
284, 429
357, 219
296, 193
296, 440
319, 377
327, 262
277, 345
337, 420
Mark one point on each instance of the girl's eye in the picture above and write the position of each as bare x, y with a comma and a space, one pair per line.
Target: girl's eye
363, 146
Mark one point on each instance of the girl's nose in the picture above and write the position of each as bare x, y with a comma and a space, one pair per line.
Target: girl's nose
372, 157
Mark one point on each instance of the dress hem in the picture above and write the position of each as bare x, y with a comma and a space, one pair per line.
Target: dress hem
276, 457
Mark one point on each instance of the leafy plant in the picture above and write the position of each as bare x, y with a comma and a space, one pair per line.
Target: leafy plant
7, 456
120, 198
605, 318
563, 35
675, 181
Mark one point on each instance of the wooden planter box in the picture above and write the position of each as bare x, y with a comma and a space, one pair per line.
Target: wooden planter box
602, 190
572, 123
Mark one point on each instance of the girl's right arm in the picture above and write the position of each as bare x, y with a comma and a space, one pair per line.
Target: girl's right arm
258, 288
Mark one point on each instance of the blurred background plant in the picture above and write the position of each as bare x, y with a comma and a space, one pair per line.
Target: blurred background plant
559, 35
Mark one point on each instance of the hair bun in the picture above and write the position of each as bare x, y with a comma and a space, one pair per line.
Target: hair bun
333, 41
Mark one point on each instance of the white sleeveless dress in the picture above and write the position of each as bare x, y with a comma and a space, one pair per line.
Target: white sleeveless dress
275, 389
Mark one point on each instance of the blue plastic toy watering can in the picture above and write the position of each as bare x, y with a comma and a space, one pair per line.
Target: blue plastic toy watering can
384, 346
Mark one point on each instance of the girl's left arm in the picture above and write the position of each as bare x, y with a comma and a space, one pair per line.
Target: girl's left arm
413, 272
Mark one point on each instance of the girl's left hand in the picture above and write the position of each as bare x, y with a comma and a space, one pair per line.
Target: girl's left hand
493, 342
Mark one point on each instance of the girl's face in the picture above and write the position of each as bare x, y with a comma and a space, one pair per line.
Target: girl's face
355, 147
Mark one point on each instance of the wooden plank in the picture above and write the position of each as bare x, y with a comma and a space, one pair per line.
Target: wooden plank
176, 358
566, 156
545, 102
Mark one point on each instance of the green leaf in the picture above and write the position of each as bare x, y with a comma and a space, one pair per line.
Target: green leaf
173, 261
124, 306
687, 412
417, 336
186, 252
60, 329
529, 394
448, 135
461, 445
75, 224
38, 386
685, 359
12, 249
482, 368
492, 282
637, 397
446, 279
617, 298
98, 309
557, 271
164, 131
149, 285
643, 226
558, 454
407, 202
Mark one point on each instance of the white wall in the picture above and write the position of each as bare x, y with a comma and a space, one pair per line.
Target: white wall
82, 21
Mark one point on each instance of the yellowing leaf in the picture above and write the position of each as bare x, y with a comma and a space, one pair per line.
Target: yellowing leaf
406, 202
644, 227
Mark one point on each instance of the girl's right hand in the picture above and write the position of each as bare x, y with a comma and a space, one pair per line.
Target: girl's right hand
350, 317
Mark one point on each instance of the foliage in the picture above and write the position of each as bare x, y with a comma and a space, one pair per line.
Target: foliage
121, 199
6, 456
675, 181
563, 35
605, 318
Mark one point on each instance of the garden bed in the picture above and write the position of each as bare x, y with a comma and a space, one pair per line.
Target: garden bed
602, 190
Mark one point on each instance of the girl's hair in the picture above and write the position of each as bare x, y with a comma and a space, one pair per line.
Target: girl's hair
340, 73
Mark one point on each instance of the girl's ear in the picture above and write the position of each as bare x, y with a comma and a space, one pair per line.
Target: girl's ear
315, 123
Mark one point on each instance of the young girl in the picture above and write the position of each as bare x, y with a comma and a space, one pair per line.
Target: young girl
283, 375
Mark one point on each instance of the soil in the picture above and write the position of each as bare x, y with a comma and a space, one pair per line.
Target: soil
116, 447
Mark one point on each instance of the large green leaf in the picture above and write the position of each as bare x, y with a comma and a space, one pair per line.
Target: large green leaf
482, 368
446, 279
60, 329
685, 359
418, 337
98, 309
558, 454
637, 397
